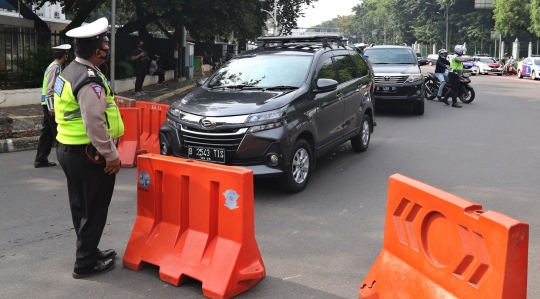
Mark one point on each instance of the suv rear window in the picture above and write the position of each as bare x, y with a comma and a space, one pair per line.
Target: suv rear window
390, 56
263, 71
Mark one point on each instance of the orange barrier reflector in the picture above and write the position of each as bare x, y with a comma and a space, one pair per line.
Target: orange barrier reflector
196, 219
123, 102
152, 116
438, 245
129, 142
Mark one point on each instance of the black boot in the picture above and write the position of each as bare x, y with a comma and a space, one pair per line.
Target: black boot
456, 105
445, 100
439, 98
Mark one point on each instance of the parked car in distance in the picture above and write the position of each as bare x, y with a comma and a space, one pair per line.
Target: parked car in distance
470, 67
488, 65
421, 60
529, 67
398, 78
276, 108
432, 59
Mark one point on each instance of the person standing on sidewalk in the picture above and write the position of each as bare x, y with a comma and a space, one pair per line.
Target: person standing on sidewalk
89, 125
139, 58
48, 131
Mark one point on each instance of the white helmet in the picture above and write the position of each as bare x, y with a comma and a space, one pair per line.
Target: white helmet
460, 49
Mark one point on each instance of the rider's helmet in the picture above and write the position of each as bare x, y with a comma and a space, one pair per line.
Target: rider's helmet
460, 50
443, 53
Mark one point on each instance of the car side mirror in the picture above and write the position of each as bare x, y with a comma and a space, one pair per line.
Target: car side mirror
201, 81
326, 85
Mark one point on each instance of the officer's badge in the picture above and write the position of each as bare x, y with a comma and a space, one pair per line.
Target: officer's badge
91, 72
230, 199
97, 90
144, 179
59, 86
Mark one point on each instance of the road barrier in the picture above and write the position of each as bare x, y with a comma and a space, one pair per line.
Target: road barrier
129, 145
438, 245
196, 219
152, 116
123, 102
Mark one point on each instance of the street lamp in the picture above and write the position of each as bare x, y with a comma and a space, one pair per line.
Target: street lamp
272, 14
446, 13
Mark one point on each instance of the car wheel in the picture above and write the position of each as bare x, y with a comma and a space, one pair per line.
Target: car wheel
360, 142
533, 75
520, 76
430, 63
418, 109
298, 172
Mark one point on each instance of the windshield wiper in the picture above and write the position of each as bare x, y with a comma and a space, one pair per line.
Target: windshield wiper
229, 86
404, 63
381, 63
281, 87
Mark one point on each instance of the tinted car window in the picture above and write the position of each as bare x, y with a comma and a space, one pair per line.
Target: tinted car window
345, 68
327, 70
537, 61
390, 55
263, 71
361, 65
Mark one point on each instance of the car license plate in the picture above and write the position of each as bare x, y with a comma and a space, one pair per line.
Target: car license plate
386, 88
206, 154
495, 70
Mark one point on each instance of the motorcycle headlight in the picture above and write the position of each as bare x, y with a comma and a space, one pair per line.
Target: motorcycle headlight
415, 78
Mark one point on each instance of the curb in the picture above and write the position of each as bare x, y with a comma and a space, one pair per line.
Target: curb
18, 144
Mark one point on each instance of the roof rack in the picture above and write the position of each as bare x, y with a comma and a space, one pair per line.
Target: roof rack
324, 39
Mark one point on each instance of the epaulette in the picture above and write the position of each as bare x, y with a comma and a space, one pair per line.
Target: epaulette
90, 72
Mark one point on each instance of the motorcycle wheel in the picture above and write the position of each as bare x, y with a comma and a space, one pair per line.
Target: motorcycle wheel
467, 94
431, 90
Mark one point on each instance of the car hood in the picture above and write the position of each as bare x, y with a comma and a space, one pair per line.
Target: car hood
380, 69
231, 102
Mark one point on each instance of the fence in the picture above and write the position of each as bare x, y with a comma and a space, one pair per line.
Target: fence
25, 54
486, 48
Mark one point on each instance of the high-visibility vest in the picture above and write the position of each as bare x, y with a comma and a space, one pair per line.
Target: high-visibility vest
46, 81
455, 65
71, 129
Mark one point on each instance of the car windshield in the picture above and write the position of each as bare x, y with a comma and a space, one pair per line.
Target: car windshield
487, 60
263, 71
390, 56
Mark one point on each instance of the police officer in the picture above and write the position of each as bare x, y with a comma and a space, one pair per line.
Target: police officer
456, 67
48, 131
89, 125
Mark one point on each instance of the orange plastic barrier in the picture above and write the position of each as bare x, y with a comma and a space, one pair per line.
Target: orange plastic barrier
437, 245
123, 102
151, 117
129, 143
196, 219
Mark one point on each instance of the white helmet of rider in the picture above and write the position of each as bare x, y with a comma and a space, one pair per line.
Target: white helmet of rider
460, 49
443, 53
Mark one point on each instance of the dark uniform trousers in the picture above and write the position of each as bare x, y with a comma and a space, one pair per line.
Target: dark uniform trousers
454, 81
47, 137
90, 191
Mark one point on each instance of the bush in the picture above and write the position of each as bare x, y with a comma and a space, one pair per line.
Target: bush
124, 70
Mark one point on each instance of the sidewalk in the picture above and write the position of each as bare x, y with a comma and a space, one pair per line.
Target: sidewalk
23, 133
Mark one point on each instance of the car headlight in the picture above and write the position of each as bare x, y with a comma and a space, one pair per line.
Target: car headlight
267, 116
175, 112
414, 78
275, 117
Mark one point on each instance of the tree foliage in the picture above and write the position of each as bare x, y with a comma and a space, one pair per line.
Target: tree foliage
512, 16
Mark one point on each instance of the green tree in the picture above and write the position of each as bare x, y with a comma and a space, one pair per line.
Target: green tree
512, 16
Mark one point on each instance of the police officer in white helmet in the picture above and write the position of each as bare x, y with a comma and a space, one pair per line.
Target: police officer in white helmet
89, 125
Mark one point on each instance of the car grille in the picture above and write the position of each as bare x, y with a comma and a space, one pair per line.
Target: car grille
391, 79
226, 139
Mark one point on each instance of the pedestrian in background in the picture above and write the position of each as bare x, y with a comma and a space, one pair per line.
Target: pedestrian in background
48, 130
89, 125
155, 70
139, 58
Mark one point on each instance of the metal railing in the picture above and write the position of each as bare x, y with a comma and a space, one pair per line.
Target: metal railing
24, 56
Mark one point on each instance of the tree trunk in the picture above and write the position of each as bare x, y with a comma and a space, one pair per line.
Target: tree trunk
27, 13
81, 16
139, 10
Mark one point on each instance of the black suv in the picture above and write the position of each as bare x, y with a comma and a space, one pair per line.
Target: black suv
398, 78
276, 108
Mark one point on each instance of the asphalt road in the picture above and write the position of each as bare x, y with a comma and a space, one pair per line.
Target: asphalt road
317, 244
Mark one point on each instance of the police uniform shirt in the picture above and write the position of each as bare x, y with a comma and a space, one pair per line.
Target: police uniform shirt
92, 99
52, 73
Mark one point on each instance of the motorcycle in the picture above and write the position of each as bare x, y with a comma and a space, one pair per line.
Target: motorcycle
509, 68
465, 91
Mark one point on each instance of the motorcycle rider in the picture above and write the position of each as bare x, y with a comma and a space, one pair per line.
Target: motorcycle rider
440, 71
456, 68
